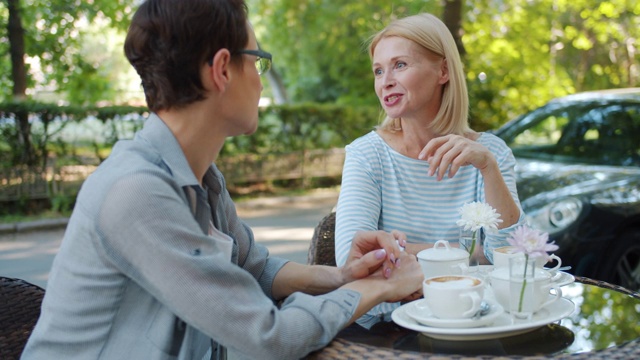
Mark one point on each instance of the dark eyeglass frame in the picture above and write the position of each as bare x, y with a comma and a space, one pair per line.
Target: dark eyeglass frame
262, 69
260, 66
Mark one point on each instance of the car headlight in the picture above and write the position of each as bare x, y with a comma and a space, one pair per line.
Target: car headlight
555, 216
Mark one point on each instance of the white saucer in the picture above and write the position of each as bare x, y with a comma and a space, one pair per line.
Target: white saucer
502, 326
564, 279
420, 312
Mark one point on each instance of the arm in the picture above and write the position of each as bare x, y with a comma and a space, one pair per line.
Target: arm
371, 252
359, 203
498, 177
448, 153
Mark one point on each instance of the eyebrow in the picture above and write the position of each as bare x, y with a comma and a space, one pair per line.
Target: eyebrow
393, 59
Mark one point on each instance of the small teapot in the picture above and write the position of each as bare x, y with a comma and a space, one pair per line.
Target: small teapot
442, 259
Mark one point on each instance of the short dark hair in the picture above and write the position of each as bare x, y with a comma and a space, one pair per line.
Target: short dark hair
169, 40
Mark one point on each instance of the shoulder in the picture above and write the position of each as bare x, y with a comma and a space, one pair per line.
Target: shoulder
130, 176
492, 141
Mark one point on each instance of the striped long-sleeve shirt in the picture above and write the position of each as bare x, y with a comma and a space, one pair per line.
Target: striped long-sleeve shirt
385, 190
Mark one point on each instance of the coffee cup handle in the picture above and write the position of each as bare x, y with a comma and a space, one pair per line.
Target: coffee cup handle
475, 304
557, 259
556, 296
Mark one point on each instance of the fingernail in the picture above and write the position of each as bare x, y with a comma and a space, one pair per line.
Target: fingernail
392, 258
398, 263
387, 273
380, 254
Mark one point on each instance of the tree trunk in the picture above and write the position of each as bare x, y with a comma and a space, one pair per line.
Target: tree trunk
19, 76
452, 17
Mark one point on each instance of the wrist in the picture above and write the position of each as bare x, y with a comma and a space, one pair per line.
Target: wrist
491, 168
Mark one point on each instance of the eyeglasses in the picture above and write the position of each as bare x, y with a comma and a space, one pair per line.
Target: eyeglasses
263, 60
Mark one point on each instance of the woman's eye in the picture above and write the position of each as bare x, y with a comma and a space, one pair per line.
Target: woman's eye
400, 65
377, 72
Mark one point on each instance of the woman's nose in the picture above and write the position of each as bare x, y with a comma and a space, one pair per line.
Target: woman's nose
388, 80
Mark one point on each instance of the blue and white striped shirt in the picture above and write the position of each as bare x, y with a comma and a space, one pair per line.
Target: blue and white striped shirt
385, 190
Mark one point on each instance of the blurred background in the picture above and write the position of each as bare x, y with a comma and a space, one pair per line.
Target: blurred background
67, 92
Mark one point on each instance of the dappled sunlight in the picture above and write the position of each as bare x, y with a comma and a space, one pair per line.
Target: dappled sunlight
268, 234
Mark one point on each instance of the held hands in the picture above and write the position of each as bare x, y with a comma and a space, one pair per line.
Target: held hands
454, 151
376, 258
373, 251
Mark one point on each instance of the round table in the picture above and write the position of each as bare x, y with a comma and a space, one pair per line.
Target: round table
604, 325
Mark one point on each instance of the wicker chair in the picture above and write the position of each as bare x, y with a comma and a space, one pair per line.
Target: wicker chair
19, 310
322, 248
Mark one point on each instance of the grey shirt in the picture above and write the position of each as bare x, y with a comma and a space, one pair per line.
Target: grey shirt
155, 266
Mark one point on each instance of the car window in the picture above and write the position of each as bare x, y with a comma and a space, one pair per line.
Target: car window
607, 135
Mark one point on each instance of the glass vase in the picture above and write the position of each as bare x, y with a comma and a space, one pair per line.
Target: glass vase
522, 287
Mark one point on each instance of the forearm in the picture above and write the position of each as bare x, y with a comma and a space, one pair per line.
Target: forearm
308, 279
498, 195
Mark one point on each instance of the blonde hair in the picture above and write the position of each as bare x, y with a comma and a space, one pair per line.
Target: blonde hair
432, 34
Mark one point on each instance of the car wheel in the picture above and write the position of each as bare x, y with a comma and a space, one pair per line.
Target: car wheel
623, 267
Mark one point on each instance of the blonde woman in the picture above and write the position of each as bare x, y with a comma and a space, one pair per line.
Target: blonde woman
423, 162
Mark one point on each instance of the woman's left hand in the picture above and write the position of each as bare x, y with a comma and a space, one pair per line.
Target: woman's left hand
372, 251
452, 152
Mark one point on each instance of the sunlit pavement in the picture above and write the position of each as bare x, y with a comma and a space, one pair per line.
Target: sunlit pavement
284, 225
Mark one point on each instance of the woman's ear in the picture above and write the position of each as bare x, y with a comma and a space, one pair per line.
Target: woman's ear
220, 69
444, 71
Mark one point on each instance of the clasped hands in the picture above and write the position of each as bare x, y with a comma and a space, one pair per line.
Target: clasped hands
380, 254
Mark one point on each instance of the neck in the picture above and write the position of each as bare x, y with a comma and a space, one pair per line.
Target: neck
197, 135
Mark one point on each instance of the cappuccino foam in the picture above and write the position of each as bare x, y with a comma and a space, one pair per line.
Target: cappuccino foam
453, 282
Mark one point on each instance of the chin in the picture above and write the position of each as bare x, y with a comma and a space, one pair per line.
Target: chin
253, 129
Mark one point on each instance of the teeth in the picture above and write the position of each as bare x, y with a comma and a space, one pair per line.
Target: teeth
392, 98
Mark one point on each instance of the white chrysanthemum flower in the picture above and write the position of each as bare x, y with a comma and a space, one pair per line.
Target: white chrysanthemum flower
476, 215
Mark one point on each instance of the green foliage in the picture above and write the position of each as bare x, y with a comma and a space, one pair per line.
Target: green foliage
49, 120
56, 46
289, 128
519, 54
321, 44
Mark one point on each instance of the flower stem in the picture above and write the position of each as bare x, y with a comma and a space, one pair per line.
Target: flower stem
524, 281
473, 244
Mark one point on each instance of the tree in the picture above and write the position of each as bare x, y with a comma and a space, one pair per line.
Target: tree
452, 17
518, 54
52, 42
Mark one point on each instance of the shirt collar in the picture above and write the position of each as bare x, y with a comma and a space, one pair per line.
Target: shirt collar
158, 134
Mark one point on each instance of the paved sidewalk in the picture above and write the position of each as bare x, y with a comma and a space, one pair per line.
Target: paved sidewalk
284, 224
244, 208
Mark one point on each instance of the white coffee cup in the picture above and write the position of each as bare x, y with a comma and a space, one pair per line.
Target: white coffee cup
501, 256
543, 284
442, 259
453, 296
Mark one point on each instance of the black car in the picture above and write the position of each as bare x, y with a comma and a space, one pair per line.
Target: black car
579, 180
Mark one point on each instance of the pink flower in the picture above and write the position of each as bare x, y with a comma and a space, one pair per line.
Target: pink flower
531, 242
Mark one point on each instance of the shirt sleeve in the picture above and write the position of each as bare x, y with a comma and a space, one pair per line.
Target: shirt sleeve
359, 203
148, 232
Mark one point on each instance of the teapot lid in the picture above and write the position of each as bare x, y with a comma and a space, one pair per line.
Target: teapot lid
442, 251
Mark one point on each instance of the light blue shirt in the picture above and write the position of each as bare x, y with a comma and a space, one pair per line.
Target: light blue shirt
142, 274
385, 190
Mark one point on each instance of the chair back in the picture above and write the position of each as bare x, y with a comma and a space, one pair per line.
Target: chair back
322, 248
19, 311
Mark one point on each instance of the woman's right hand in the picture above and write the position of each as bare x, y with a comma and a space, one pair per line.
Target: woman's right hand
406, 279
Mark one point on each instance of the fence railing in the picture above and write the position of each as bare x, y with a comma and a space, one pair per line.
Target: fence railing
29, 183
